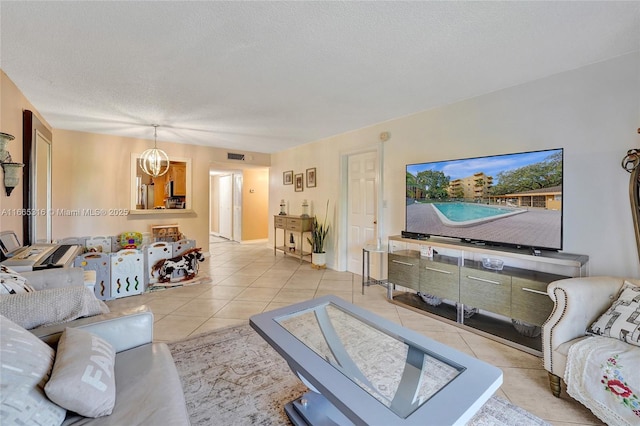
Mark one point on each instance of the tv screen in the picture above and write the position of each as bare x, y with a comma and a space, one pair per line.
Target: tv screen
510, 199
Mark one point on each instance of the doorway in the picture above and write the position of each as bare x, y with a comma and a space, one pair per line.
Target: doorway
239, 204
362, 201
226, 202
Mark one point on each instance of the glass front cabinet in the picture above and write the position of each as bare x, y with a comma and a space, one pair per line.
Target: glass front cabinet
497, 292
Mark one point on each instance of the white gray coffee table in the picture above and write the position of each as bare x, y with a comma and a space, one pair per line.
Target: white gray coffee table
363, 369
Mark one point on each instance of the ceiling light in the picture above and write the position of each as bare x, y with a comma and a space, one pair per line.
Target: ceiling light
154, 161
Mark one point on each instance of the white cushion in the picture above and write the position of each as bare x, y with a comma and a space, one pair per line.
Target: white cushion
25, 367
12, 282
622, 320
83, 377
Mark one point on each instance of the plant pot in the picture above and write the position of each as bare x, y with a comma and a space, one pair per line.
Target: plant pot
319, 260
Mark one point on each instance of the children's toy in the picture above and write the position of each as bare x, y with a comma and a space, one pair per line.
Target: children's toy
166, 233
187, 263
182, 246
127, 273
130, 240
73, 240
153, 254
98, 244
101, 263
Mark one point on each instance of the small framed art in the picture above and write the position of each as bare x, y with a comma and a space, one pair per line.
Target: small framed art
299, 182
287, 177
311, 178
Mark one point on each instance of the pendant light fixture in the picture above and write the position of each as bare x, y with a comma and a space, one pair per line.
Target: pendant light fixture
154, 161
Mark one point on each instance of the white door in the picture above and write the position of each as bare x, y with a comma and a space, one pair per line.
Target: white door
225, 205
237, 207
362, 206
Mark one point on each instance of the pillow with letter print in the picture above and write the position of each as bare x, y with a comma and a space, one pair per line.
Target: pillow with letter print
83, 377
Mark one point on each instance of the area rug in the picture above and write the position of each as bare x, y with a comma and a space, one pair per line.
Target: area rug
231, 376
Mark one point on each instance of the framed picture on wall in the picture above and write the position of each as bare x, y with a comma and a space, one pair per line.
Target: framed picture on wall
311, 178
299, 182
287, 177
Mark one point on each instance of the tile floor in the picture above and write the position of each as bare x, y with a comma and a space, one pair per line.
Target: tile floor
247, 279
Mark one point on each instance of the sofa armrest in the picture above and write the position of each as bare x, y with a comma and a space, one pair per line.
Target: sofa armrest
124, 330
578, 302
54, 278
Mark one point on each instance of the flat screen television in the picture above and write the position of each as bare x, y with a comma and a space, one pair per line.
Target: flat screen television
511, 199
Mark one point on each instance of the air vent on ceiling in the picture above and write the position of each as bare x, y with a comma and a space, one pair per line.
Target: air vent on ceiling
232, 156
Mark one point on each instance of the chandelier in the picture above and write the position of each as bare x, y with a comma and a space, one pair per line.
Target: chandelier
154, 161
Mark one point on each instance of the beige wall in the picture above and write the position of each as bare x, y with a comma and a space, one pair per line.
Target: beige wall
592, 112
255, 204
97, 167
12, 103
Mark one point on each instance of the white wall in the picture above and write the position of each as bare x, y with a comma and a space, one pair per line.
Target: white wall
592, 112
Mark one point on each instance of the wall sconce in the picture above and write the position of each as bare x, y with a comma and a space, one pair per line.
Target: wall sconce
12, 173
5, 138
11, 170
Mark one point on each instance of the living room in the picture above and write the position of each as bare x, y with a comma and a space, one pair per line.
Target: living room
591, 111
564, 110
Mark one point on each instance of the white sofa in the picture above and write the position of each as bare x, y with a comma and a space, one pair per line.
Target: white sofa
148, 390
578, 303
144, 370
54, 278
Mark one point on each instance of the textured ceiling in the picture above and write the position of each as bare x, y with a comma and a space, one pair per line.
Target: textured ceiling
266, 76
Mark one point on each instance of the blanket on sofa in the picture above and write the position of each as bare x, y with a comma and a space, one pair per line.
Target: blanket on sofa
52, 306
602, 374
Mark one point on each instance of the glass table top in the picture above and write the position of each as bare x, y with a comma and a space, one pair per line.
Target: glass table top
400, 375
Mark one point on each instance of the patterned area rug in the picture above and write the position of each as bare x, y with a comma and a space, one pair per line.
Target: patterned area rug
232, 376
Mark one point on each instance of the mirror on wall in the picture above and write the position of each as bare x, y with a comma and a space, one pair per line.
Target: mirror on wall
36, 196
169, 193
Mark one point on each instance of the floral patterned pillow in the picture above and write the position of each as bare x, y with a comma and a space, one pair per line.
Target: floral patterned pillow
622, 320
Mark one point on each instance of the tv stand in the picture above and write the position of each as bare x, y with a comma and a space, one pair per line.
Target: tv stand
508, 303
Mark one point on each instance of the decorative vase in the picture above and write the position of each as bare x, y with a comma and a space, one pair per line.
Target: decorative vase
11, 175
5, 138
319, 260
292, 243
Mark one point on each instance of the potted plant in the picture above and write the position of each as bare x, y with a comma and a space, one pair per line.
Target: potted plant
318, 236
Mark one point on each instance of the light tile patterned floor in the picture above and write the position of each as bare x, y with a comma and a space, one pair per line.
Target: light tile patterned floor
247, 279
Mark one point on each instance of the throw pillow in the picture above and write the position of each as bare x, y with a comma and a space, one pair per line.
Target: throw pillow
51, 306
12, 282
25, 368
622, 320
83, 377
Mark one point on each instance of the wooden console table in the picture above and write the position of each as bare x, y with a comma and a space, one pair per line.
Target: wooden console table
293, 225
